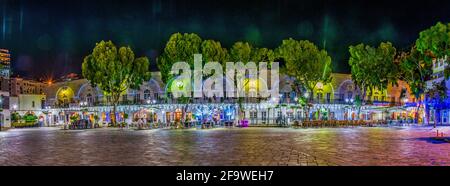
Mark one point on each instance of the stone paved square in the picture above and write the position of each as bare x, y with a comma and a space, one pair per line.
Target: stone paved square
359, 146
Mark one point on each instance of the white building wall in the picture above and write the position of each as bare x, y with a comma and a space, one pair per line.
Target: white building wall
5, 114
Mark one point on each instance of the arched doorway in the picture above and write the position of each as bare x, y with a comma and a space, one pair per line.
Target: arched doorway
64, 96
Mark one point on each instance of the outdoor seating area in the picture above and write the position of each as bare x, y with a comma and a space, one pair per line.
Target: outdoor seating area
339, 123
80, 124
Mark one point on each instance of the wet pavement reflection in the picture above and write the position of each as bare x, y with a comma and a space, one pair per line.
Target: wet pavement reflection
246, 146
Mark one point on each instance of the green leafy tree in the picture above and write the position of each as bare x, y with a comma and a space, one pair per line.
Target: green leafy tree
244, 52
180, 47
241, 52
165, 66
306, 63
434, 42
212, 51
15, 117
415, 71
263, 55
115, 70
372, 68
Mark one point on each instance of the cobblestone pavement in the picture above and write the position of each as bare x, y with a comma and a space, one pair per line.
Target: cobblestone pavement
248, 146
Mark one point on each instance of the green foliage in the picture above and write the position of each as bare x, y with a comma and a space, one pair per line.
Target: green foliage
74, 118
241, 52
302, 101
415, 70
23, 125
114, 71
30, 118
244, 52
435, 43
305, 62
437, 92
125, 116
180, 47
165, 66
373, 68
263, 55
15, 117
212, 51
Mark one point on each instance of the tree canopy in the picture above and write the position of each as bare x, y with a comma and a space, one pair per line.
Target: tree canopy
435, 43
373, 68
114, 71
213, 51
305, 62
241, 52
415, 71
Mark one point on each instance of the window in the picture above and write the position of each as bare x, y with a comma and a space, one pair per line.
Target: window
319, 96
328, 97
349, 94
264, 115
253, 114
444, 117
124, 98
290, 115
89, 98
147, 94
137, 97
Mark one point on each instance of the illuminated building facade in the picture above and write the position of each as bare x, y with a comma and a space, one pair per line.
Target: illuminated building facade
439, 110
332, 101
5, 63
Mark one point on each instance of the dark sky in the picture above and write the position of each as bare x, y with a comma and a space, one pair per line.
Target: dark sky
50, 38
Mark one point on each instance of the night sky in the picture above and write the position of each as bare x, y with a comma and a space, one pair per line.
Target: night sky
49, 38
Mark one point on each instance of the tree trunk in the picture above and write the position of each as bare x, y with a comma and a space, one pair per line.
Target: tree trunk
113, 115
426, 110
114, 102
435, 118
416, 117
311, 100
358, 117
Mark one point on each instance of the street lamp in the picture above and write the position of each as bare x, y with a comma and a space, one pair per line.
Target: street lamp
306, 94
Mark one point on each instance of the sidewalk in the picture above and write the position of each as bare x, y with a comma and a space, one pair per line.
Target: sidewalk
4, 129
